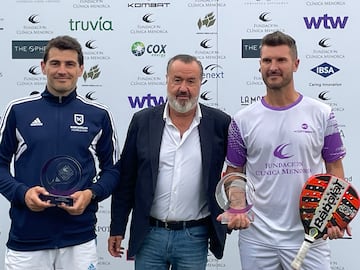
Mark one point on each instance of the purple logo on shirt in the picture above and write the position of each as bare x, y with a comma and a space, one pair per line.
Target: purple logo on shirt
279, 152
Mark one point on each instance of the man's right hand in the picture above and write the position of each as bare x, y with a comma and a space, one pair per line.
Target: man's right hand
114, 246
236, 221
33, 201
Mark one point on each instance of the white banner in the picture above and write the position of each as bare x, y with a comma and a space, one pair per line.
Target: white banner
128, 43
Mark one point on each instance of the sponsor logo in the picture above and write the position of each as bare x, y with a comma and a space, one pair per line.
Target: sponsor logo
205, 53
78, 119
100, 229
28, 49
34, 70
264, 26
325, 52
279, 152
94, 53
146, 18
145, 101
205, 44
149, 27
333, 193
90, 44
89, 95
304, 128
34, 27
264, 17
323, 95
34, 19
324, 43
33, 80
147, 70
207, 21
247, 100
36, 122
148, 5
325, 70
326, 22
97, 25
212, 72
347, 211
92, 74
91, 267
284, 167
206, 24
250, 48
205, 96
138, 49
148, 78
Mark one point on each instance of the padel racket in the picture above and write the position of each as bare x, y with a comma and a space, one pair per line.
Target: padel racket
325, 200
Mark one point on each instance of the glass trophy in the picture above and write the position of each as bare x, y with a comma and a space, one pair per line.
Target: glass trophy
235, 194
61, 176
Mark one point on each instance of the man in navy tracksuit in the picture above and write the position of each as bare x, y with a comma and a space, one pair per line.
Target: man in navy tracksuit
35, 129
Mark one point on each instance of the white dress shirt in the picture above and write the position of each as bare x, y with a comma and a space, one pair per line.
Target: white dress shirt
180, 194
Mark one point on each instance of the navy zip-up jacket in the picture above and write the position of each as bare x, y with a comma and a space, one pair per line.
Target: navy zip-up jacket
37, 128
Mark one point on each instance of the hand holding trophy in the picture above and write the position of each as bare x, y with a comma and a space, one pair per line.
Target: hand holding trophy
61, 176
235, 194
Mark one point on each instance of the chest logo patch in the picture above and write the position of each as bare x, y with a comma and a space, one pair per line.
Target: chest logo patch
78, 119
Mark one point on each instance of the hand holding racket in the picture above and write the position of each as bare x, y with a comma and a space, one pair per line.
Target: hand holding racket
325, 200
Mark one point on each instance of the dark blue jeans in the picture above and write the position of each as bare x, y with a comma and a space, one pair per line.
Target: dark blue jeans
185, 249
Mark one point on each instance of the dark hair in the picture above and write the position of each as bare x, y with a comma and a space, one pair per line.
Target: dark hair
278, 38
64, 43
185, 58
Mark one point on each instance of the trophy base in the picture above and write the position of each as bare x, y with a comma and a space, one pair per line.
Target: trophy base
227, 216
57, 199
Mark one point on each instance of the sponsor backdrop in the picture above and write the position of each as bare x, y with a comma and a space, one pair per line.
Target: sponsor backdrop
127, 45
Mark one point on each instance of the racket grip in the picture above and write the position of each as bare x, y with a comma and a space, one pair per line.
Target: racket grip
300, 256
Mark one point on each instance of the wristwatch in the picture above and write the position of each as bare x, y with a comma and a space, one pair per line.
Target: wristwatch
93, 194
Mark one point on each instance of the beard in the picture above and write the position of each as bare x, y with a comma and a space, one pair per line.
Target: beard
182, 106
276, 86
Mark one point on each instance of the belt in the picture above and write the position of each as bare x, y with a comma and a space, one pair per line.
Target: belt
177, 225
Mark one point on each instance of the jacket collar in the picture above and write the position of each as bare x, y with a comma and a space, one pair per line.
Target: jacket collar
58, 99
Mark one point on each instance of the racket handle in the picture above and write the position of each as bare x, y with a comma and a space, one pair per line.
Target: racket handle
297, 262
